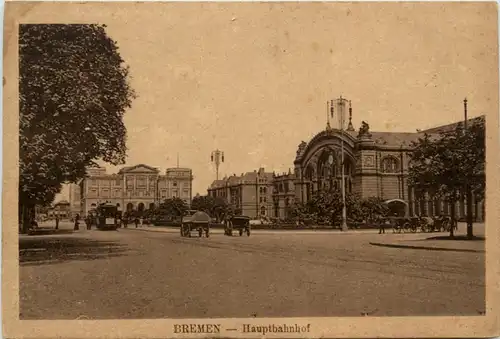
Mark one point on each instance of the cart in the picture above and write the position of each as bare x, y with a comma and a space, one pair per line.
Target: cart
239, 223
195, 221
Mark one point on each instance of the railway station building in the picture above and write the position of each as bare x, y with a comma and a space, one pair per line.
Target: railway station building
375, 165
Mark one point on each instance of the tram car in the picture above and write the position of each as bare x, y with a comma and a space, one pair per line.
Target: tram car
107, 217
239, 223
196, 221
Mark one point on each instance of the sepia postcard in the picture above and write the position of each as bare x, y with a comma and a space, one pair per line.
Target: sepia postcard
250, 170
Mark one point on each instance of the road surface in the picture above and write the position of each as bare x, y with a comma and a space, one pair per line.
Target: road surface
139, 274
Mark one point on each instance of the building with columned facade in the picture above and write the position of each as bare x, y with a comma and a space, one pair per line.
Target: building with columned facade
138, 187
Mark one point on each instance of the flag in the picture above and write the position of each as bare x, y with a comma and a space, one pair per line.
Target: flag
222, 157
212, 157
331, 109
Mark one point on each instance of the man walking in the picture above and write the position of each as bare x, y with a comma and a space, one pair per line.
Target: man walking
77, 222
381, 225
57, 221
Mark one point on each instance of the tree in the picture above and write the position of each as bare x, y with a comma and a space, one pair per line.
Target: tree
326, 206
372, 207
203, 203
74, 91
174, 207
220, 209
441, 165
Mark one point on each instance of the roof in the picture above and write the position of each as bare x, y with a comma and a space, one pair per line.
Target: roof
248, 177
62, 202
395, 138
450, 127
129, 168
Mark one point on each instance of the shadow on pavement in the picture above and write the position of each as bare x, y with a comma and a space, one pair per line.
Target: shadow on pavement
43, 251
455, 238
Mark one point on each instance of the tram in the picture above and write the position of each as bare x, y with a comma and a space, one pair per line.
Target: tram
107, 217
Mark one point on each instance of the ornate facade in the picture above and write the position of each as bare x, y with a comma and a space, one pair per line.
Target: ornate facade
375, 165
136, 187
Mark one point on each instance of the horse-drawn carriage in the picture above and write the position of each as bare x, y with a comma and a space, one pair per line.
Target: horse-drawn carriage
237, 223
195, 221
424, 224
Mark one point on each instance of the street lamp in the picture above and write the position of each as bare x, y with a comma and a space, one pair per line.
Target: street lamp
217, 157
341, 104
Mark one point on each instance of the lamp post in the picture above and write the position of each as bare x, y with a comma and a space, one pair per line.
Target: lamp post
341, 108
217, 157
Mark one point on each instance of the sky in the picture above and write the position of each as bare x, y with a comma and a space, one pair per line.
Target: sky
252, 79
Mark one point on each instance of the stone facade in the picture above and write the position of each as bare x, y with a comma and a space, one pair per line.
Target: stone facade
375, 165
250, 192
136, 187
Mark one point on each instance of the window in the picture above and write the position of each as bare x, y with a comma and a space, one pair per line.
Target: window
261, 199
118, 182
390, 165
174, 183
130, 182
141, 181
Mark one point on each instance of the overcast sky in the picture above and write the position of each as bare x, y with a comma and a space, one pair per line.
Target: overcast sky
253, 79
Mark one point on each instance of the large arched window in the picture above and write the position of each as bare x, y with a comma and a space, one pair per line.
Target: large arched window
390, 165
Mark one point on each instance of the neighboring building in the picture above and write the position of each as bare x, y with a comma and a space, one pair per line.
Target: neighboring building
138, 187
375, 165
75, 199
61, 209
178, 183
283, 195
250, 192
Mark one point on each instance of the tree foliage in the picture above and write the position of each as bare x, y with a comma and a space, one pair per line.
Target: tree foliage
203, 203
442, 164
174, 207
216, 207
74, 91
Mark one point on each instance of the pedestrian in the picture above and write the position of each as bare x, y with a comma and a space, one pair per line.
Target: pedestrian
381, 225
88, 221
57, 222
77, 222
136, 221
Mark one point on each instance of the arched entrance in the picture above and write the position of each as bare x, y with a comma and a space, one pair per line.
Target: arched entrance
130, 207
140, 207
397, 207
320, 163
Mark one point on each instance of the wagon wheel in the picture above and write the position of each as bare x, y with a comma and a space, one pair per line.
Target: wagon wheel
241, 232
207, 232
200, 232
406, 227
248, 232
182, 231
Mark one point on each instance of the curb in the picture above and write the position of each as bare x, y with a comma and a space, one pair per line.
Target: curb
427, 248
